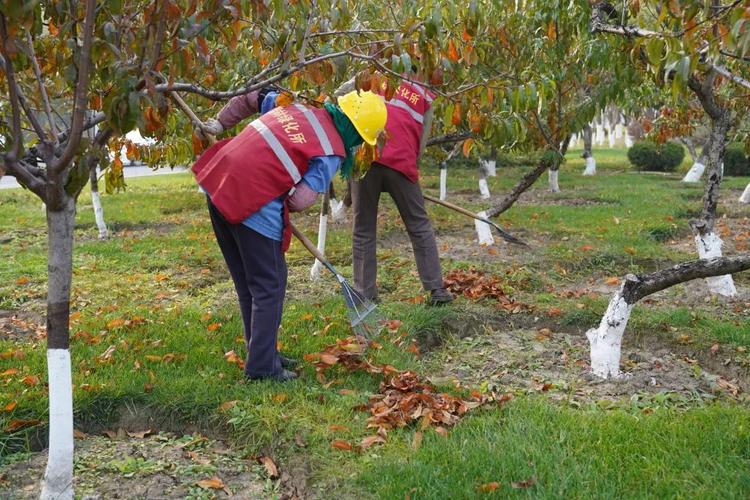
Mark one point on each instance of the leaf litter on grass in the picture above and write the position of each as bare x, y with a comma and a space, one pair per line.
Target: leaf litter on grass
404, 398
476, 285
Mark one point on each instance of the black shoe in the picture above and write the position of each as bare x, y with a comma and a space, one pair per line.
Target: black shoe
440, 297
288, 362
283, 376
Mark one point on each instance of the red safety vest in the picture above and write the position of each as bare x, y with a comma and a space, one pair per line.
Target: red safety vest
266, 160
404, 126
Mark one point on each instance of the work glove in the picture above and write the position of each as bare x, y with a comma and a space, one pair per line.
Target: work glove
211, 126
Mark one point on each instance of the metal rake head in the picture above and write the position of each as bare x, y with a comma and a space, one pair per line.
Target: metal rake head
362, 311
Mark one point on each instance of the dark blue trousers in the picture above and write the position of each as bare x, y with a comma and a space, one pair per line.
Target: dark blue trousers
259, 272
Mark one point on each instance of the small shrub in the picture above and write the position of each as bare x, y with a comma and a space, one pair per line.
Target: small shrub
647, 155
736, 161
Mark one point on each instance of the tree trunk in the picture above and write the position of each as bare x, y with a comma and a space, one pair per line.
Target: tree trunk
524, 184
553, 184
443, 180
317, 267
97, 203
484, 231
58, 478
745, 197
484, 188
606, 340
699, 162
587, 155
337, 208
707, 241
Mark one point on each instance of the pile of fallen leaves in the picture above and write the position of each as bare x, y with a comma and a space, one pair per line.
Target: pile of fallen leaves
404, 397
476, 285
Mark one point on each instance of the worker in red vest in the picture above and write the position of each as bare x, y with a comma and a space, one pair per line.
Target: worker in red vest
277, 164
396, 172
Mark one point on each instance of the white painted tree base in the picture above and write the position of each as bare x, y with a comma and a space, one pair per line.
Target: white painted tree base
317, 267
443, 183
490, 166
590, 166
745, 197
484, 189
58, 478
99, 215
695, 173
709, 246
611, 137
484, 231
628, 141
338, 210
606, 341
553, 185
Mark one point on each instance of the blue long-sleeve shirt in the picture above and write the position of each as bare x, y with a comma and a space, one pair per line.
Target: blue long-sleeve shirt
269, 220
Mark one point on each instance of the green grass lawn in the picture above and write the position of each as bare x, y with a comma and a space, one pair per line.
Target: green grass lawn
154, 314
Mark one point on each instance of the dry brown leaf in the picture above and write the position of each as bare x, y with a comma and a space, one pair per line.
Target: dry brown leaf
18, 423
340, 444
79, 434
213, 484
141, 434
271, 469
612, 281
30, 380
10, 406
371, 440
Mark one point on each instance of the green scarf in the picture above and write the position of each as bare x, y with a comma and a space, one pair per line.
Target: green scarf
349, 136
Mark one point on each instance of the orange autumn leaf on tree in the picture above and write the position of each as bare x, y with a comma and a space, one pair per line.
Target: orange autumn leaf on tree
452, 52
466, 149
197, 144
457, 115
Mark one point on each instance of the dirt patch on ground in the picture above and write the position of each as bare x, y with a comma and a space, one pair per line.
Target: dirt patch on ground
545, 360
159, 466
21, 325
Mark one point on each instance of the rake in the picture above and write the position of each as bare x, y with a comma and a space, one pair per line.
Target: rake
362, 315
503, 234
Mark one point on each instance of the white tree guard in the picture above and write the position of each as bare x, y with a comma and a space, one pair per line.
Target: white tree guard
553, 184
58, 478
99, 215
628, 140
606, 341
443, 183
337, 209
590, 166
695, 173
484, 189
709, 246
484, 231
745, 197
317, 267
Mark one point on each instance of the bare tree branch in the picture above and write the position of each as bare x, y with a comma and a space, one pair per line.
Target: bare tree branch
80, 99
17, 148
448, 138
40, 82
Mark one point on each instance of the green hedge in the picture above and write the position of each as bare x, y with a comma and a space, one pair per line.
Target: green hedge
647, 155
736, 162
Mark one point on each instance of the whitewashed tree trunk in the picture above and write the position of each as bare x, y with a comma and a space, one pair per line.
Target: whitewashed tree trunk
695, 173
317, 267
745, 197
338, 210
484, 188
97, 204
599, 134
443, 181
628, 140
484, 231
606, 341
58, 478
619, 130
611, 137
709, 246
553, 184
587, 154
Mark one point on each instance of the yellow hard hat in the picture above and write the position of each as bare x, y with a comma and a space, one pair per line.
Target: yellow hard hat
367, 112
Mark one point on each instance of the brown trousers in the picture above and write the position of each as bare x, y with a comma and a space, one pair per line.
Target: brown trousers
408, 198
